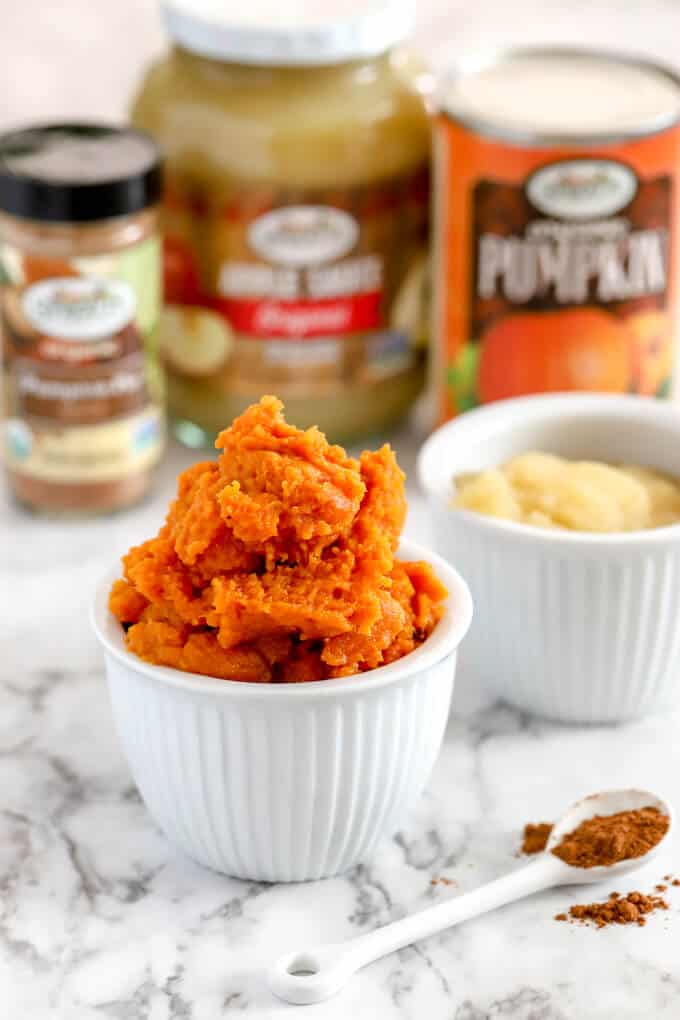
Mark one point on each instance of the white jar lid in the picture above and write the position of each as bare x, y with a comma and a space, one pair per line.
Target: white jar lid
288, 32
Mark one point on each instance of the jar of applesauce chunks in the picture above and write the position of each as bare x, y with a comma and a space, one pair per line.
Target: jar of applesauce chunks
295, 214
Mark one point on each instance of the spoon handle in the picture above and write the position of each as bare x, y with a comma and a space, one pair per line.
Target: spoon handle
316, 974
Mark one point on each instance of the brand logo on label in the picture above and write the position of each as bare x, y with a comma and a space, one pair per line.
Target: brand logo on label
302, 235
580, 189
79, 308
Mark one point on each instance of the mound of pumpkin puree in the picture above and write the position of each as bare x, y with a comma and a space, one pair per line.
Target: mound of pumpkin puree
277, 562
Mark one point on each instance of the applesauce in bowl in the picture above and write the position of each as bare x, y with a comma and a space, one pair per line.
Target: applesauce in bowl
576, 625
547, 491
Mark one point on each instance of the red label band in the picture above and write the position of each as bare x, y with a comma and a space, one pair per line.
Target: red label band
262, 317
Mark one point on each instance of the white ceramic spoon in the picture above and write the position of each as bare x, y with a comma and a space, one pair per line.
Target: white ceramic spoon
315, 974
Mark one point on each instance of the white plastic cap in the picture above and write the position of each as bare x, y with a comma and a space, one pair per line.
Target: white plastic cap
288, 32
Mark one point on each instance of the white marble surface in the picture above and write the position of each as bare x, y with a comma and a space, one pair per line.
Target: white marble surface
100, 918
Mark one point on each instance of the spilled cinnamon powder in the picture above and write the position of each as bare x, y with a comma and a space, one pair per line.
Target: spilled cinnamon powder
608, 839
629, 909
536, 836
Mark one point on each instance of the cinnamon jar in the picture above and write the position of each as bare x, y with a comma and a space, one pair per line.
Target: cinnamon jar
80, 304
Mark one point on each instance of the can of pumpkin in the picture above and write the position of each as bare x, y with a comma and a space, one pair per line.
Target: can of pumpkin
556, 227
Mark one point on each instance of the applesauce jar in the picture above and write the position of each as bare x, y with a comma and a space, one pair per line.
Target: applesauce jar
295, 214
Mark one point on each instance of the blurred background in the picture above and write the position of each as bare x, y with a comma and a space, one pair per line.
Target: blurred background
83, 58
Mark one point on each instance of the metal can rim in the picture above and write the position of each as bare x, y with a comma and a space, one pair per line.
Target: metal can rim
491, 128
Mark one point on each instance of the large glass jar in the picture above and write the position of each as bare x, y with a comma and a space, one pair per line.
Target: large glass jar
295, 219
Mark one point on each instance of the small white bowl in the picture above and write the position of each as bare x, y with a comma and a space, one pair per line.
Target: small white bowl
576, 626
284, 782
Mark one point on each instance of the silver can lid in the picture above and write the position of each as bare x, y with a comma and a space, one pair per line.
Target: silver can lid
563, 95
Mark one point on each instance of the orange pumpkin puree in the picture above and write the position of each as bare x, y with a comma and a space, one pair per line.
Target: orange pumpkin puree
277, 562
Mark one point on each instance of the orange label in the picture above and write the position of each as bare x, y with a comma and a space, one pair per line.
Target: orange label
554, 268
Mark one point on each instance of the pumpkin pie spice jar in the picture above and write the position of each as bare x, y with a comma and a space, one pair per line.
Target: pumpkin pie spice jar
80, 273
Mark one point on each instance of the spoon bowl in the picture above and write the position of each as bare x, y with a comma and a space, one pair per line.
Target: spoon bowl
610, 802
315, 974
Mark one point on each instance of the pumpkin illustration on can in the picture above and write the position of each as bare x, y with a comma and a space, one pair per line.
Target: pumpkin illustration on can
574, 349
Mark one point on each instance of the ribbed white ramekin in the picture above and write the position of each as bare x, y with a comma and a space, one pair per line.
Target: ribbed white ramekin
579, 627
284, 782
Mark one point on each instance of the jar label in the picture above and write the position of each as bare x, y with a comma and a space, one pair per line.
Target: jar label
303, 235
84, 453
555, 268
287, 290
78, 309
83, 394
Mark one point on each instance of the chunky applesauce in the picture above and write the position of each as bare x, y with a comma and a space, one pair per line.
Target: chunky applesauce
551, 492
277, 562
295, 218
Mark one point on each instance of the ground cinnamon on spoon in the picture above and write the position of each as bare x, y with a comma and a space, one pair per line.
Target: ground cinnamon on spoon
604, 840
608, 839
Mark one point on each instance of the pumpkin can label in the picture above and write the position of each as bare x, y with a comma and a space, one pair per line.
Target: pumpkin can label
555, 268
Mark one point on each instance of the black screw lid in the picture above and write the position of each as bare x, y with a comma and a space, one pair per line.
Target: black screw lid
65, 173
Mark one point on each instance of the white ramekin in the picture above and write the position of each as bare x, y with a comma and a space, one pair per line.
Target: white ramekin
284, 782
579, 627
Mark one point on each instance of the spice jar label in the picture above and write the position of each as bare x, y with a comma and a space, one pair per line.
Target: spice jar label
288, 289
79, 309
82, 398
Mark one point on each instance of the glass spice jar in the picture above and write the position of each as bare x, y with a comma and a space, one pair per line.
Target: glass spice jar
80, 304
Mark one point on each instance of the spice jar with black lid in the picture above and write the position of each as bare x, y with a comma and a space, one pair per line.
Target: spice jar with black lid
80, 303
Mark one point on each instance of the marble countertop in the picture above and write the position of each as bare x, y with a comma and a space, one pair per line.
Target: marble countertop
101, 918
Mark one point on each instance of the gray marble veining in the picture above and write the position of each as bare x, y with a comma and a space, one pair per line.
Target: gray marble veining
100, 918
